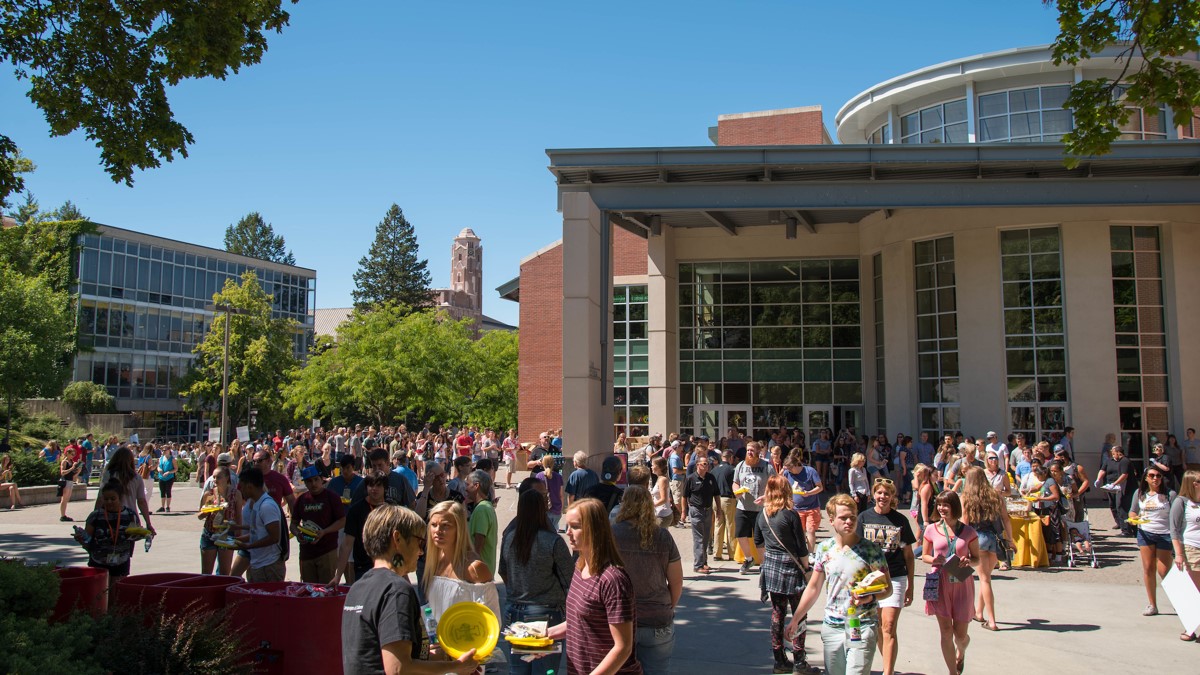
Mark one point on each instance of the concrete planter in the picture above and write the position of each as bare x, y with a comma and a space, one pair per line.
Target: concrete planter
42, 494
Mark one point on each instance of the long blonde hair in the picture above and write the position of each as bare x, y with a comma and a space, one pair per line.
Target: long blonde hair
463, 552
637, 507
981, 502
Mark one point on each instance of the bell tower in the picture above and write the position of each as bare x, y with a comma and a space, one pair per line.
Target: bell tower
466, 271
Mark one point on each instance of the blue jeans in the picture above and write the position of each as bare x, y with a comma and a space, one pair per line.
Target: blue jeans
654, 647
546, 664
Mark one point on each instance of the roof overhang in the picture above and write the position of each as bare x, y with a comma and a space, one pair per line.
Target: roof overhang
511, 289
734, 187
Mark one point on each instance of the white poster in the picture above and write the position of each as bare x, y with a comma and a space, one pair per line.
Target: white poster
316, 424
214, 434
1184, 598
134, 440
243, 434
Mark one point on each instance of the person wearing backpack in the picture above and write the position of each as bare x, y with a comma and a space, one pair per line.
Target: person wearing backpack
264, 537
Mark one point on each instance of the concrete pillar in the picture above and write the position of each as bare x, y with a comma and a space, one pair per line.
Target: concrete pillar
1181, 278
663, 325
587, 410
1091, 338
983, 390
900, 339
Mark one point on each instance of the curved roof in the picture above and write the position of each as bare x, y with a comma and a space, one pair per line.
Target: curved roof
868, 105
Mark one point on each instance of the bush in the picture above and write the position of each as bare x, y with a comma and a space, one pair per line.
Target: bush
26, 591
183, 469
29, 470
88, 397
43, 426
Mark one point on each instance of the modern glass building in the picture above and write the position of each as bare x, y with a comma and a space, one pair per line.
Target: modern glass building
939, 270
142, 309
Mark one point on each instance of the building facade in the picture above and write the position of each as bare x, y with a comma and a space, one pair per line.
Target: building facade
144, 306
932, 279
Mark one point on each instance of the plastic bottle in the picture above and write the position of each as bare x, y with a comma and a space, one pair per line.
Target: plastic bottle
853, 625
430, 623
149, 540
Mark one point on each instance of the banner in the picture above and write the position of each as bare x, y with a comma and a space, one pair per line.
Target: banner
243, 434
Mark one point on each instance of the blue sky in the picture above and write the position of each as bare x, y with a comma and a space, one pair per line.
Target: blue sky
447, 108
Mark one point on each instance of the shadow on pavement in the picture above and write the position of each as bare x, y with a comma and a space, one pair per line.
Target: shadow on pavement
44, 549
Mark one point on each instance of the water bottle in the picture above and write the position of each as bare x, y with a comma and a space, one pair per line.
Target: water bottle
430, 623
149, 540
853, 625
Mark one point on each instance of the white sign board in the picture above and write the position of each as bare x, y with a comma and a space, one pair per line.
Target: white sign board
1184, 598
134, 440
243, 434
214, 434
316, 424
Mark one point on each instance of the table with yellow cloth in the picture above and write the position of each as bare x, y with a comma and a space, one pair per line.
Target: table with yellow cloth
1030, 544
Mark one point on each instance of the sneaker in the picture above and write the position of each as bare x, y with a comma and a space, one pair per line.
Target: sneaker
66, 519
782, 667
745, 568
1150, 610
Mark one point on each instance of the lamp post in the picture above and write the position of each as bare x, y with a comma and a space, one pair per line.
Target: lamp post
228, 309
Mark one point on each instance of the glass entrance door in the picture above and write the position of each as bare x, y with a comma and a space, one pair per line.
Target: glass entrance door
715, 421
816, 418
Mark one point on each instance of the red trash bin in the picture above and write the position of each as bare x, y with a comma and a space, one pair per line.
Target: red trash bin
81, 588
174, 592
268, 626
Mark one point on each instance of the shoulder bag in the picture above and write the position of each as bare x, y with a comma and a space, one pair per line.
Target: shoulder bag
799, 565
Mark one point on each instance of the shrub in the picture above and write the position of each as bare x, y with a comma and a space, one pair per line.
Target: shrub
183, 469
88, 397
29, 469
43, 426
153, 641
26, 591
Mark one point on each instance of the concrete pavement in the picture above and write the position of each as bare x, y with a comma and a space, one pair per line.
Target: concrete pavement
1057, 619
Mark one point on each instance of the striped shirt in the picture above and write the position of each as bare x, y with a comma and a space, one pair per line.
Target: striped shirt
592, 605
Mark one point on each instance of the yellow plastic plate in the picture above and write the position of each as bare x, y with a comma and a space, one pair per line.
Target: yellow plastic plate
224, 543
215, 508
468, 625
1136, 521
137, 532
1031, 498
529, 642
345, 500
741, 491
869, 589
800, 493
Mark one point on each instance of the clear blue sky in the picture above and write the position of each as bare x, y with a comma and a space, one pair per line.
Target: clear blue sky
447, 108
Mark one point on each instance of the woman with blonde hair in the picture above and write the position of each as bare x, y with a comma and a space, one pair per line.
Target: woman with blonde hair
779, 534
656, 572
381, 627
661, 492
599, 625
1185, 531
984, 510
622, 444
453, 571
859, 487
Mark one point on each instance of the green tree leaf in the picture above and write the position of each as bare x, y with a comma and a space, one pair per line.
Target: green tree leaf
252, 236
392, 271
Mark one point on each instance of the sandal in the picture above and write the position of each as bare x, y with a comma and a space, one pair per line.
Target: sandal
991, 627
1187, 637
1004, 567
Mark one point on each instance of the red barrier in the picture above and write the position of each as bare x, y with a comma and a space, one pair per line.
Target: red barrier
268, 624
174, 592
82, 588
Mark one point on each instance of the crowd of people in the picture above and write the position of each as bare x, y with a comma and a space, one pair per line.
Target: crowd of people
368, 507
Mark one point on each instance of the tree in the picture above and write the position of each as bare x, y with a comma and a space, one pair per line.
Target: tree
29, 211
105, 67
1156, 32
392, 271
255, 237
260, 356
67, 212
12, 165
88, 397
37, 338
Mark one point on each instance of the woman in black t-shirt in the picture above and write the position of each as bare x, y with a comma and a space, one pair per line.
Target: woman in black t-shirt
890, 530
779, 534
381, 624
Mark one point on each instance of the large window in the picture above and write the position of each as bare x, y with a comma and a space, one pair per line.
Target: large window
1144, 123
631, 362
1190, 127
1033, 114
1142, 388
880, 383
773, 336
1034, 335
937, 336
941, 123
882, 135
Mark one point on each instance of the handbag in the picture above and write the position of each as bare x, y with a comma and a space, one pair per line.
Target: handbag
933, 586
800, 566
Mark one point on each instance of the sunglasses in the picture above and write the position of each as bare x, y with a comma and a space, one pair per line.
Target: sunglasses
1154, 475
885, 481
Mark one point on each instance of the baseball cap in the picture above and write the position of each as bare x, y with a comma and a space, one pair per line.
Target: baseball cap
224, 459
675, 444
704, 437
1060, 450
611, 468
309, 472
991, 434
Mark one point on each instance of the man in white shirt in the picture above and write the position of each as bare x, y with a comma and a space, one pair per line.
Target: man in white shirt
261, 519
1191, 449
994, 445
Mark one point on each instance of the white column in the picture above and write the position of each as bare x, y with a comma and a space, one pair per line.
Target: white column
972, 123
900, 339
663, 323
587, 411
1181, 278
1091, 337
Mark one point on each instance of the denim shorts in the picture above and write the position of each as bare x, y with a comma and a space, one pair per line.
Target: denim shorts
988, 541
1161, 542
206, 542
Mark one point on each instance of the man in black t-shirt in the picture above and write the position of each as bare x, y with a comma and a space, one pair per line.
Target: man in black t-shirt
892, 533
606, 490
702, 495
1115, 472
722, 472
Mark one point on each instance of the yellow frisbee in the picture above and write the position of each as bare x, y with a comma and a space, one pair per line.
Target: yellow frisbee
468, 625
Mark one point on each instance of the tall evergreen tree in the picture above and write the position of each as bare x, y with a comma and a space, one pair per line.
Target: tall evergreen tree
392, 271
255, 237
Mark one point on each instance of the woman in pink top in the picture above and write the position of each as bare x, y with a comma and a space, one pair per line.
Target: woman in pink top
955, 606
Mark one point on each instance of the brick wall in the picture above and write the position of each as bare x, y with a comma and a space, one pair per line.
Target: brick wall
539, 402
793, 126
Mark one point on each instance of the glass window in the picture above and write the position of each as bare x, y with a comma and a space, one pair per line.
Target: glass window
941, 123
937, 326
1034, 114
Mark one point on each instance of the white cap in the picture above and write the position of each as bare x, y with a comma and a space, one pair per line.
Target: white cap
675, 444
963, 446
991, 434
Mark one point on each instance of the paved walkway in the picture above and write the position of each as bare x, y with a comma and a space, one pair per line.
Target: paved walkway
1052, 620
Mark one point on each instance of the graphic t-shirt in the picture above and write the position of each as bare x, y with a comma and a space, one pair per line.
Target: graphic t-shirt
324, 509
842, 569
753, 478
381, 608
891, 532
806, 481
109, 546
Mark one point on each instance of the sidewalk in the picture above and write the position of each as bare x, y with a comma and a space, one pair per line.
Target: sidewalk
1056, 619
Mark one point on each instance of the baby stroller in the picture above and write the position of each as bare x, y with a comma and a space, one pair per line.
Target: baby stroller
1079, 543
